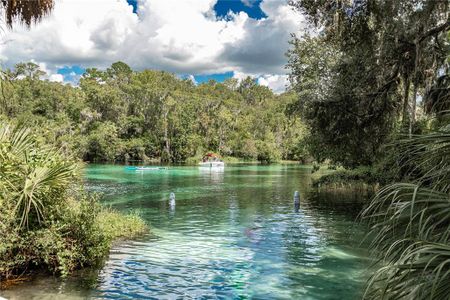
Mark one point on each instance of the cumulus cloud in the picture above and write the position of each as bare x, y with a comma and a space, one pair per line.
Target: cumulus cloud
56, 77
49, 74
241, 75
192, 78
277, 83
184, 37
262, 47
78, 32
249, 3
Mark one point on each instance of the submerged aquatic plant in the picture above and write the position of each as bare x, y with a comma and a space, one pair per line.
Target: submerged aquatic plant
410, 223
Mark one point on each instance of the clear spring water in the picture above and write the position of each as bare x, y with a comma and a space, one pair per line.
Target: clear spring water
232, 234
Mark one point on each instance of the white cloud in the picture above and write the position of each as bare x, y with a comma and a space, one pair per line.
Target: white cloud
248, 3
56, 78
49, 74
277, 83
192, 78
184, 37
241, 75
76, 32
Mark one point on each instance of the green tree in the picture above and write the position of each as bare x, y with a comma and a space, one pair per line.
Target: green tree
381, 49
120, 114
103, 143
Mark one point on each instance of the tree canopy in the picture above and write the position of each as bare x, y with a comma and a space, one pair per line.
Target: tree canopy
361, 71
121, 114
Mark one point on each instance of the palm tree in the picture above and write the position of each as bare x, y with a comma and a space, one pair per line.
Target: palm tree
25, 11
33, 176
410, 223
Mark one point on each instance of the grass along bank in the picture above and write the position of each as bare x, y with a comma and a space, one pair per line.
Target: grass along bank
47, 222
347, 178
117, 226
363, 177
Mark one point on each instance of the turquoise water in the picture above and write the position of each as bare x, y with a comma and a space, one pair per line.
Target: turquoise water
232, 234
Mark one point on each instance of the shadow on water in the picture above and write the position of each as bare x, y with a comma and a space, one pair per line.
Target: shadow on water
348, 202
231, 234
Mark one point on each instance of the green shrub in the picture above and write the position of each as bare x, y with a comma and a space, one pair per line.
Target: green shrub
194, 160
247, 149
409, 223
47, 222
115, 225
344, 177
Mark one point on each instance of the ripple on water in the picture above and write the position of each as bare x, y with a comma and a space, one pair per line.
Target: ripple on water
232, 235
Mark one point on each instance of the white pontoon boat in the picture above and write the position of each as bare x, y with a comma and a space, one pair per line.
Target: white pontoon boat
211, 160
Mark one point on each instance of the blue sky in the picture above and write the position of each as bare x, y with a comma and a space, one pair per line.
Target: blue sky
133, 3
251, 7
72, 73
222, 7
207, 39
217, 77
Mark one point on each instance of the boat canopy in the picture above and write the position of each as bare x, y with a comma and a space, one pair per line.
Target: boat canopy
212, 155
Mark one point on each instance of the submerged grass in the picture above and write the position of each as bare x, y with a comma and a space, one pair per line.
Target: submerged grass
118, 226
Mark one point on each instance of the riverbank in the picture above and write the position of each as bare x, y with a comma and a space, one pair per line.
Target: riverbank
360, 178
82, 237
49, 224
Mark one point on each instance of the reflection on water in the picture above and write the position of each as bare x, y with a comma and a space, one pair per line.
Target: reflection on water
232, 234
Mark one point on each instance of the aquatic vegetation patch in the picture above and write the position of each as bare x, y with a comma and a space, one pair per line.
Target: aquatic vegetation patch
359, 177
115, 225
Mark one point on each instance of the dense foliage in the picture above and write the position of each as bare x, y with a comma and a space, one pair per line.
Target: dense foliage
119, 114
410, 223
360, 72
46, 221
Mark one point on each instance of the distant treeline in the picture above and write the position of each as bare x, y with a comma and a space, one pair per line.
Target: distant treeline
119, 114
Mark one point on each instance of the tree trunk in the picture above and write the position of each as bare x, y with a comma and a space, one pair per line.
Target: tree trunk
412, 119
166, 137
165, 114
220, 138
405, 113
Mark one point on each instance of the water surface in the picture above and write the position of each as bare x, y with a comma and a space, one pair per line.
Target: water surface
232, 234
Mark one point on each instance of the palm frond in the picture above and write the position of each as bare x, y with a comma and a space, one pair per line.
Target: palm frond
35, 190
410, 224
25, 11
429, 156
32, 175
421, 272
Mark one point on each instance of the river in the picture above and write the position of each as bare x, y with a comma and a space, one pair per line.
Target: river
232, 234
